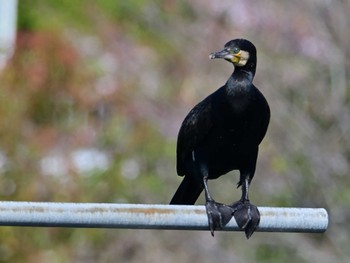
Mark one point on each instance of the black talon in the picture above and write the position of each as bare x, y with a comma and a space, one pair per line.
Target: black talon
218, 215
247, 216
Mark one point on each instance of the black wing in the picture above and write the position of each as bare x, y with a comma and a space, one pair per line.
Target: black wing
265, 115
193, 130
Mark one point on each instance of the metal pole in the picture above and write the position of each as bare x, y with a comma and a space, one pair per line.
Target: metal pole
144, 216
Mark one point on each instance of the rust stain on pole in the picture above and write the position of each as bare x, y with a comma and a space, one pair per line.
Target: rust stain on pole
149, 216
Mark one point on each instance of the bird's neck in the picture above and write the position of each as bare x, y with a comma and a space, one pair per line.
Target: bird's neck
246, 72
242, 74
240, 81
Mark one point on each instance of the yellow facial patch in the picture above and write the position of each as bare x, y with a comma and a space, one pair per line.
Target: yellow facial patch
240, 59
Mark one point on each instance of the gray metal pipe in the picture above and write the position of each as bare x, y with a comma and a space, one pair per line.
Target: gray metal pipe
145, 216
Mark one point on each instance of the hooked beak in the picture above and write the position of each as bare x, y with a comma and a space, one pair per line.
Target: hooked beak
225, 54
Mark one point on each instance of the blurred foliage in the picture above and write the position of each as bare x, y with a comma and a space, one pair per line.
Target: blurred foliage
95, 93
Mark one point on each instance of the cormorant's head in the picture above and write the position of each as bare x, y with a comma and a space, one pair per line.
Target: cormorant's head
237, 51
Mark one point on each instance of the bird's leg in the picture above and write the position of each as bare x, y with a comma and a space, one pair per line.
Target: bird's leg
218, 214
246, 214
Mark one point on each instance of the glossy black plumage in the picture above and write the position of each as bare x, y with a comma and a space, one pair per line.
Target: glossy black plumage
222, 133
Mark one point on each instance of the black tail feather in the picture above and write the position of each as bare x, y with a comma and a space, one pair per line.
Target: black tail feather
187, 193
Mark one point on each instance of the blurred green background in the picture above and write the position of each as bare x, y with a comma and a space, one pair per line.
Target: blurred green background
92, 100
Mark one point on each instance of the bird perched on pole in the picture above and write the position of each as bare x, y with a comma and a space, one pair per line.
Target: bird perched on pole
222, 133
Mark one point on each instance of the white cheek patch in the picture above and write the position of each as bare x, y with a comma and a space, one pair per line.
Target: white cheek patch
244, 59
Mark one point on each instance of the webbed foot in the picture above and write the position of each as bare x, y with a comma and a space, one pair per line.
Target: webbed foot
247, 216
218, 215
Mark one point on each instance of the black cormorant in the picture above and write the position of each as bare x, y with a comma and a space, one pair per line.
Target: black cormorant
222, 133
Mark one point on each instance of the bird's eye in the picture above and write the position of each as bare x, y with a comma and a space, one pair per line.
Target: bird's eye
236, 50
